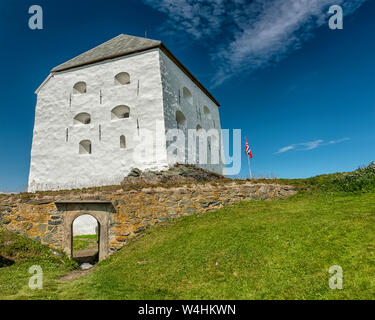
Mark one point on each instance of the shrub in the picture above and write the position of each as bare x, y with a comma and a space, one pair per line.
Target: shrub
359, 181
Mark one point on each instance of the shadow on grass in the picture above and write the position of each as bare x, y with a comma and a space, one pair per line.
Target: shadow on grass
5, 262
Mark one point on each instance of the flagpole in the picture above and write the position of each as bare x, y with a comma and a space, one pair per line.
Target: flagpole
248, 163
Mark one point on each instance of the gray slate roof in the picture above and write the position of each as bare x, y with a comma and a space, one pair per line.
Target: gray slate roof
116, 47
123, 45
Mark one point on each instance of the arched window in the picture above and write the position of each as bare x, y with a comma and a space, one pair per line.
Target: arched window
82, 118
207, 112
85, 147
187, 95
79, 88
120, 112
181, 120
122, 142
122, 79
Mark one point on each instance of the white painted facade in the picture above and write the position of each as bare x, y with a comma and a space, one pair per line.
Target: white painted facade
153, 96
174, 82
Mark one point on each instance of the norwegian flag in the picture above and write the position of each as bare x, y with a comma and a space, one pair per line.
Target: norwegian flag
248, 150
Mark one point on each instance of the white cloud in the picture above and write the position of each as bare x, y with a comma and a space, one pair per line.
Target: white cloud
285, 149
311, 145
246, 36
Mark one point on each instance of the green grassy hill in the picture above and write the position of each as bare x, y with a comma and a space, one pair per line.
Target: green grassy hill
17, 255
280, 249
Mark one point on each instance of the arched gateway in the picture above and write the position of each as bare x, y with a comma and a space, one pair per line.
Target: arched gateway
100, 210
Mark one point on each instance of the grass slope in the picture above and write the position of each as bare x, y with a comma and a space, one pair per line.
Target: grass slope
280, 249
24, 253
257, 250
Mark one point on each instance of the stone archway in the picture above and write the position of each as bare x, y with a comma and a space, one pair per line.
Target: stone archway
85, 239
99, 210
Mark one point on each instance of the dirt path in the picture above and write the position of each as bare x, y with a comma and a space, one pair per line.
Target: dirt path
75, 275
81, 256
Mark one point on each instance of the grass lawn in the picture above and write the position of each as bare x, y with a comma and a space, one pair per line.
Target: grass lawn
84, 242
279, 249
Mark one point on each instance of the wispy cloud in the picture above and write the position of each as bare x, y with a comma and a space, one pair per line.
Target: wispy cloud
245, 36
311, 145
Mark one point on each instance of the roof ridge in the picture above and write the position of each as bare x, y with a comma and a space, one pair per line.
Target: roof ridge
95, 54
138, 37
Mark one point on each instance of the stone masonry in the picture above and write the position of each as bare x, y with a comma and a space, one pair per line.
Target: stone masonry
48, 217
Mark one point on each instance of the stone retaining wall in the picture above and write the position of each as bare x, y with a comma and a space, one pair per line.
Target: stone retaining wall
48, 218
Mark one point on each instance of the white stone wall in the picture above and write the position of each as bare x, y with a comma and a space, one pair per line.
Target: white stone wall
153, 97
174, 80
56, 163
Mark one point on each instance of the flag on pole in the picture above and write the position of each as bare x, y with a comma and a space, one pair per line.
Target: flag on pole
248, 150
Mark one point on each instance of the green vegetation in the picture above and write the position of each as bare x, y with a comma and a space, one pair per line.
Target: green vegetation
85, 242
361, 180
280, 249
19, 254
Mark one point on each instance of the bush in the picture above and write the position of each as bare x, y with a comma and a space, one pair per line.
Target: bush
361, 180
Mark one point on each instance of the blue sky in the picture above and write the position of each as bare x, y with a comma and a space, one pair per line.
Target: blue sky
303, 94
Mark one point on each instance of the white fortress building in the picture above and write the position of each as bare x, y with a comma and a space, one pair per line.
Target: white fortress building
96, 111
